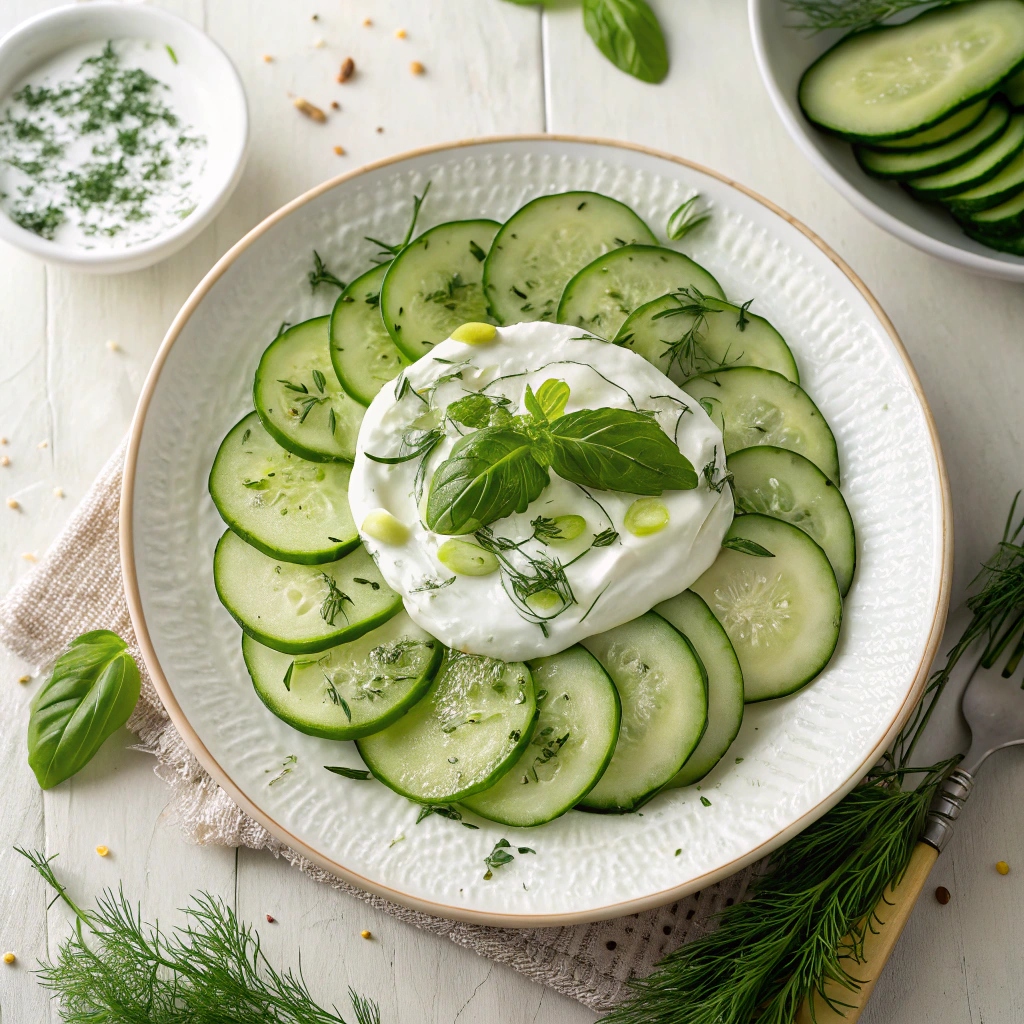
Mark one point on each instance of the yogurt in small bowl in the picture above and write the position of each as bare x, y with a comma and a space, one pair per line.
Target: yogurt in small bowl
123, 131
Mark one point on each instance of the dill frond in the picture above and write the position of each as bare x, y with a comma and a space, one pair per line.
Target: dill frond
208, 970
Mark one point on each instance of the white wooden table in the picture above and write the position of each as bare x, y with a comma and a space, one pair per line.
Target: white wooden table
491, 67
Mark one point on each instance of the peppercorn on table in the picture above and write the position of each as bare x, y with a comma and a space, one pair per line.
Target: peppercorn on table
335, 84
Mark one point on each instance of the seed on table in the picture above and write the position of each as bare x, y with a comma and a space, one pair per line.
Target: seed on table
1002, 867
112, 346
347, 70
267, 59
313, 112
13, 503
3, 440
270, 919
29, 556
335, 105
367, 22
942, 895
315, 17
318, 44
5, 460
401, 34
58, 492
339, 150
366, 933
43, 444
24, 679
103, 850
417, 68
380, 130
9, 958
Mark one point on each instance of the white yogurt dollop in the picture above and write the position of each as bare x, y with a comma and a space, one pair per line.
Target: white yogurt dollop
610, 584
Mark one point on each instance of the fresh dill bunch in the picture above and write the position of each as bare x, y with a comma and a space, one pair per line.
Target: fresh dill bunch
209, 970
819, 15
804, 925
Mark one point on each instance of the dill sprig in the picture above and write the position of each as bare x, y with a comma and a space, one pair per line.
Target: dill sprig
804, 925
209, 970
688, 354
321, 275
333, 603
387, 251
819, 15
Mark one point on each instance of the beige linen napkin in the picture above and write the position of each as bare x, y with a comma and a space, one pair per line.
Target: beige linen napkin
78, 587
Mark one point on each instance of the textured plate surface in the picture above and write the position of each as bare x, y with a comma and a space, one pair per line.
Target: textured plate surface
783, 54
799, 755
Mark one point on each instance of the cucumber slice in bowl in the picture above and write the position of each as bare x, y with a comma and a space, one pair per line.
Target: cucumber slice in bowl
754, 407
299, 399
351, 690
472, 725
939, 158
785, 485
544, 243
286, 507
685, 334
663, 690
301, 609
782, 613
362, 353
1007, 183
945, 131
894, 81
1004, 221
435, 284
571, 746
694, 619
600, 297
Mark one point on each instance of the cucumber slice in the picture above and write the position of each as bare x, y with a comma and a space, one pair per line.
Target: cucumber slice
695, 620
285, 506
785, 485
541, 246
301, 609
1013, 245
351, 690
939, 158
571, 746
663, 689
1004, 221
298, 397
435, 284
946, 130
783, 613
979, 169
1007, 183
362, 352
892, 82
754, 407
605, 292
684, 335
1013, 89
467, 731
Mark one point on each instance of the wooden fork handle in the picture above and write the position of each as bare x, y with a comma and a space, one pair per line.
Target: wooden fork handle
892, 914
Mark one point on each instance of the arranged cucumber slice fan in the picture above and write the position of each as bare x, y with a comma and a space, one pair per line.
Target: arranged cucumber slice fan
655, 703
930, 105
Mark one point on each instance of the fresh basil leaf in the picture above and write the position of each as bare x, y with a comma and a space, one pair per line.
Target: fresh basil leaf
747, 547
533, 407
618, 450
89, 696
472, 411
628, 34
552, 396
488, 475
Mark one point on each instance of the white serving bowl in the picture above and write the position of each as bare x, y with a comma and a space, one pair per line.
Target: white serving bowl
783, 54
224, 116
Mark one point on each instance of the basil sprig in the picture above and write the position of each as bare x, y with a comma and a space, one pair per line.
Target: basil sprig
498, 470
89, 696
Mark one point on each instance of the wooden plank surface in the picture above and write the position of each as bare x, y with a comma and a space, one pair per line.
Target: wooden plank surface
490, 67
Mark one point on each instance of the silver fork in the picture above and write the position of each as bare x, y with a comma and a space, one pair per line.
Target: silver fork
993, 706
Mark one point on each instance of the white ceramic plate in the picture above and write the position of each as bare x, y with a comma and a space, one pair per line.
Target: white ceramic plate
799, 755
783, 54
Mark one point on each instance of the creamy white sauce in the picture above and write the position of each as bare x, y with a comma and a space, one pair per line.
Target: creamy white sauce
612, 584
173, 192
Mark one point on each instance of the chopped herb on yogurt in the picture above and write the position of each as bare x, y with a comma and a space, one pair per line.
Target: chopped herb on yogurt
92, 151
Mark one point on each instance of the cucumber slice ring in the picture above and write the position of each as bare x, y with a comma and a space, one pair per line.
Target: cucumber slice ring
299, 399
945, 131
600, 297
754, 407
1006, 184
544, 243
362, 352
351, 690
470, 727
663, 689
918, 85
435, 284
730, 335
690, 614
783, 613
301, 609
571, 746
785, 485
282, 505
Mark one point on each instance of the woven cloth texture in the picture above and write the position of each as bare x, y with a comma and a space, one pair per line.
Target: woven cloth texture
77, 587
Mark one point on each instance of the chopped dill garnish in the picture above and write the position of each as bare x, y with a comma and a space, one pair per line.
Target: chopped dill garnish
334, 603
321, 275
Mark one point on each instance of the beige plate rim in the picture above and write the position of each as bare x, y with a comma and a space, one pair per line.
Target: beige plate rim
195, 744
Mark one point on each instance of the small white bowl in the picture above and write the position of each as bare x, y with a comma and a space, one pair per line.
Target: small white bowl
783, 53
224, 119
